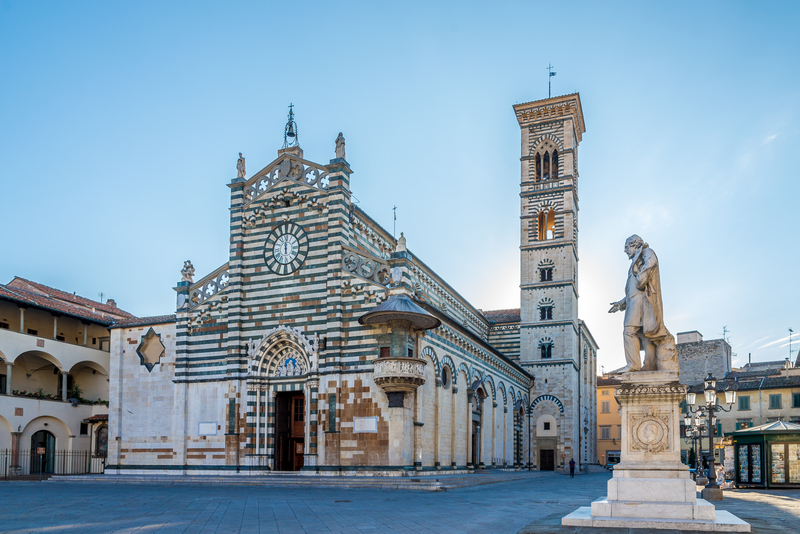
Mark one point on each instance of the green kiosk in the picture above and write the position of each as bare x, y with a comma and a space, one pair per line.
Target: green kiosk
767, 456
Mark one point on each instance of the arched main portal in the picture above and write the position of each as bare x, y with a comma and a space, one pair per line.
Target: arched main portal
279, 388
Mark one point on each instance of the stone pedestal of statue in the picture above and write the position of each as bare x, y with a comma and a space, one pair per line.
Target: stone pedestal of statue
651, 488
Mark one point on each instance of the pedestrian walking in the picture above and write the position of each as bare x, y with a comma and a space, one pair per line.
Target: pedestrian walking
572, 468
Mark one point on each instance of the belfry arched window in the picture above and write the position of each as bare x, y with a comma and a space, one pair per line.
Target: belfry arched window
547, 224
545, 163
546, 166
546, 349
554, 165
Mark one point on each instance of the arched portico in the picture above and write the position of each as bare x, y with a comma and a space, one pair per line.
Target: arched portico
37, 371
91, 378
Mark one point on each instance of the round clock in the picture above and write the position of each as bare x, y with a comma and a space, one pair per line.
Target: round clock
286, 248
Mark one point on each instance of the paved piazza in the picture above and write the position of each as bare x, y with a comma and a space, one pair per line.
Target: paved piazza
529, 505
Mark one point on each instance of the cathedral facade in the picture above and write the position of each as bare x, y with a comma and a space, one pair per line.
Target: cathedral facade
324, 345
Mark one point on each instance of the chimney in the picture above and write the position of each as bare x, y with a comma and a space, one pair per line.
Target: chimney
112, 303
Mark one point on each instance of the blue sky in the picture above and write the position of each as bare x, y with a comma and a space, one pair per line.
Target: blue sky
121, 124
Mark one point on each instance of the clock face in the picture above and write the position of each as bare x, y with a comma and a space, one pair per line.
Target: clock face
286, 248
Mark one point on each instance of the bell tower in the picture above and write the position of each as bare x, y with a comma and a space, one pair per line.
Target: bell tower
551, 131
550, 332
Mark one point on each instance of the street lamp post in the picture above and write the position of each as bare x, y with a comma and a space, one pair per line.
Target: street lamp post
694, 431
706, 411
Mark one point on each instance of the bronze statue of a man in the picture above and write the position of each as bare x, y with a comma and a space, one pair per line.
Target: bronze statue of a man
644, 316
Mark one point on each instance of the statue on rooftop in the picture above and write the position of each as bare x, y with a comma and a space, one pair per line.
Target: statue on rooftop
644, 316
187, 273
340, 146
241, 171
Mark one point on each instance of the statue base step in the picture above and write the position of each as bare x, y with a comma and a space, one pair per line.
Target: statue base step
672, 510
652, 490
724, 521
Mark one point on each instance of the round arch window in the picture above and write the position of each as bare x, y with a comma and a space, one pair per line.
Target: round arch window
445, 377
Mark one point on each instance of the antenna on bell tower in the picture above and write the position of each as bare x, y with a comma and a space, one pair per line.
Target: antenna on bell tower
550, 75
290, 132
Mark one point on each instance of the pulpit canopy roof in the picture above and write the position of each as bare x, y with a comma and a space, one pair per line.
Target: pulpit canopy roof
400, 308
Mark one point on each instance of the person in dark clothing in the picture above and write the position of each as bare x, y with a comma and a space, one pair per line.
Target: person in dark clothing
572, 468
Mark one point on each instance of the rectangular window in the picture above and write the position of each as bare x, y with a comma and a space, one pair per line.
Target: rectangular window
744, 403
410, 353
547, 425
59, 338
775, 402
605, 432
547, 351
545, 313
33, 332
4, 326
332, 412
84, 429
744, 423
604, 393
546, 275
3, 385
795, 400
605, 407
385, 352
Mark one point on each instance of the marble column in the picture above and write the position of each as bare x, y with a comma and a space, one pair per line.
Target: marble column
470, 394
494, 434
9, 365
453, 427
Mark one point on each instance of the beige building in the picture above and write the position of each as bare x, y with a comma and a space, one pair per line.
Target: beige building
766, 392
54, 364
609, 422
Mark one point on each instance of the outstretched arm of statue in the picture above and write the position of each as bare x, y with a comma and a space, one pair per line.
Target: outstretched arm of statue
618, 306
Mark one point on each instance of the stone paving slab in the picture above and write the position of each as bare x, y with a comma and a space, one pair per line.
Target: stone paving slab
526, 505
423, 483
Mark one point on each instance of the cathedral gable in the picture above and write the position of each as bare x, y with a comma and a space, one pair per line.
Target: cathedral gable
290, 168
